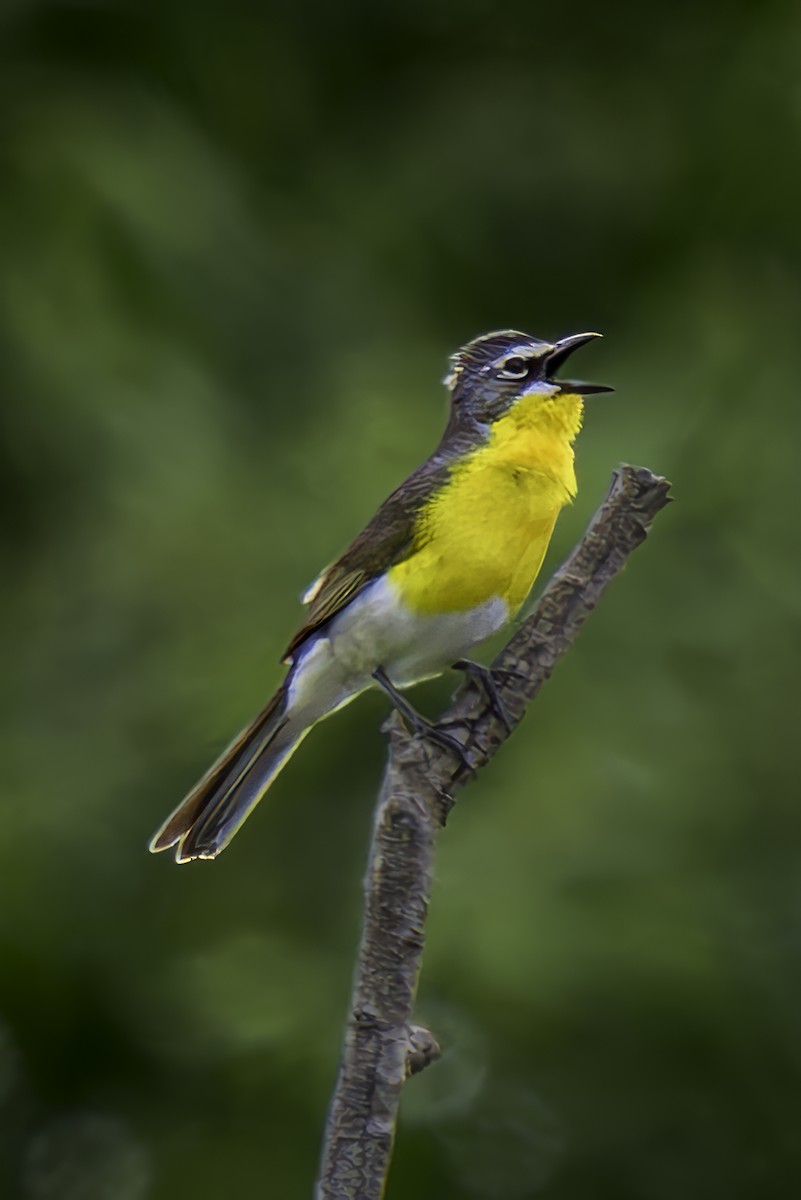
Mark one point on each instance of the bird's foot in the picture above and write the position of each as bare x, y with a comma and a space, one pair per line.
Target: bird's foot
485, 678
418, 723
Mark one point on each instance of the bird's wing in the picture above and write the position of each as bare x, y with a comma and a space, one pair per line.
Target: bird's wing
392, 535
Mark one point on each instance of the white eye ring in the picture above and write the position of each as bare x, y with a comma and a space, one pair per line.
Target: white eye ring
514, 367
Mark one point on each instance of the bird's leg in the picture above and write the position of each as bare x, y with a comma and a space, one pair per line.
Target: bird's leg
417, 722
485, 679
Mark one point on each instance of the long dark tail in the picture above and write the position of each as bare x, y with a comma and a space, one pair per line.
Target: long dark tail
204, 823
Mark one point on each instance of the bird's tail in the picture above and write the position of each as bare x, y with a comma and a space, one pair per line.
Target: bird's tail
204, 823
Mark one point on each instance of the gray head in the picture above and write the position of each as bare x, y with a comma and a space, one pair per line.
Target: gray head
492, 372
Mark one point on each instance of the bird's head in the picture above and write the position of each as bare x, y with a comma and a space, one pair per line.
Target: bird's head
493, 373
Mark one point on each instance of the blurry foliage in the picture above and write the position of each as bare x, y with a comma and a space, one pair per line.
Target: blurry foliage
236, 244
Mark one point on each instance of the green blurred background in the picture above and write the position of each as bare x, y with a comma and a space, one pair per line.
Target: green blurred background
237, 243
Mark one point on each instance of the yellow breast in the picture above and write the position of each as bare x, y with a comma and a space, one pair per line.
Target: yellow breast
485, 534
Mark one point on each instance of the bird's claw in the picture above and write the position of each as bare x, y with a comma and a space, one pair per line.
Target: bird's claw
485, 678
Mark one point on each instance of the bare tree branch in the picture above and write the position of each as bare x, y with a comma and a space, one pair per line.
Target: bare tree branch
381, 1047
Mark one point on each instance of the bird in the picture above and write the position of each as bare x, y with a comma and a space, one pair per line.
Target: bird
447, 561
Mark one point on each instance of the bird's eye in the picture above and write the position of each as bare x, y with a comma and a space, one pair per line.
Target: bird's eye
514, 368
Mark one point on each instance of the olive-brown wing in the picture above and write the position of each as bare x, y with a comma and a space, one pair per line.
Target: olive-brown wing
394, 533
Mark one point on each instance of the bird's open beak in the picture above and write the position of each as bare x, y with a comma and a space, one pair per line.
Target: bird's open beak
560, 354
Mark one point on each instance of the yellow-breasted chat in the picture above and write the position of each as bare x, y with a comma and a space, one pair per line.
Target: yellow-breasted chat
447, 561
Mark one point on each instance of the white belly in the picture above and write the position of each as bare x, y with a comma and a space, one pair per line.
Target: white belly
378, 630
